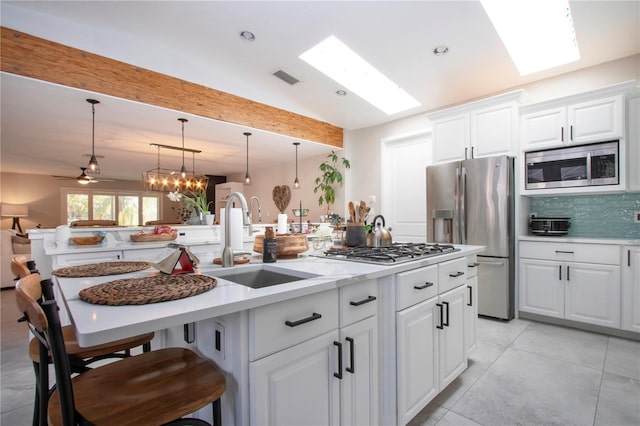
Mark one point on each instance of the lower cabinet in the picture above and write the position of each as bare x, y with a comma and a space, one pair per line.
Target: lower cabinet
359, 382
631, 288
299, 378
431, 350
297, 386
588, 293
471, 305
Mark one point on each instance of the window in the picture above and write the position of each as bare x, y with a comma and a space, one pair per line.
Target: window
129, 208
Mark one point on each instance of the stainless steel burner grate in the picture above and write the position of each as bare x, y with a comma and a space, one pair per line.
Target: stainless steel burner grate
396, 253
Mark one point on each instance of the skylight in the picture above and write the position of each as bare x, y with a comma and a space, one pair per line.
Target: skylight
337, 61
538, 34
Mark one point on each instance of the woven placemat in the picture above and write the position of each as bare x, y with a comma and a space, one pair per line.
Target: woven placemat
100, 269
141, 291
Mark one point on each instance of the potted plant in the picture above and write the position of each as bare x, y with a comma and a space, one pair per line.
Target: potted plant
330, 176
195, 200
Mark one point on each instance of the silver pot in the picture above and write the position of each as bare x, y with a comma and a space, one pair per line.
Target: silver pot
381, 236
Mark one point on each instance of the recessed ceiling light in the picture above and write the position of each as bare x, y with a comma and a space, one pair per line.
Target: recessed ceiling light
334, 59
440, 50
537, 34
341, 93
247, 36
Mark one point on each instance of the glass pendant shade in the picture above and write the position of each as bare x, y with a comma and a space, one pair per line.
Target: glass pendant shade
93, 162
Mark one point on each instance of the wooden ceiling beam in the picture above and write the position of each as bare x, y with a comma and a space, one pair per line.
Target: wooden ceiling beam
41, 59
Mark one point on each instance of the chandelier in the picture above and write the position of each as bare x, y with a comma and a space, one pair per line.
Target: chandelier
165, 180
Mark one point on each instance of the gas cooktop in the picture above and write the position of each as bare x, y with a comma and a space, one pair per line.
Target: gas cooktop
393, 255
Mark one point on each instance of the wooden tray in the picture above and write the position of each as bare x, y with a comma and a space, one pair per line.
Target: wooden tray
236, 260
287, 245
145, 238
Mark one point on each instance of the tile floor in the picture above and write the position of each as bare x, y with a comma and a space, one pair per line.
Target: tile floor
522, 373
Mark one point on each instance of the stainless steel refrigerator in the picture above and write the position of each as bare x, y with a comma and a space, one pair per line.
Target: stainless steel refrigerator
471, 202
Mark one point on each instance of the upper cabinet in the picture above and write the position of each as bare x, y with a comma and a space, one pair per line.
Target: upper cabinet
478, 129
633, 144
582, 122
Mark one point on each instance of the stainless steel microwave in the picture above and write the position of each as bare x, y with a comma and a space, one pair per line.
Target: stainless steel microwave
580, 165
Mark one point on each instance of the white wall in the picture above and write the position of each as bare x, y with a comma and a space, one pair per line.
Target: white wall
363, 146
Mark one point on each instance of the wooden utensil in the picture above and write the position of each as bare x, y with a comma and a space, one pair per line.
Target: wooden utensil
281, 197
352, 211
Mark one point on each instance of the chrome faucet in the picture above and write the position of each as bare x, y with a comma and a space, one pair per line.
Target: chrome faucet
227, 252
251, 213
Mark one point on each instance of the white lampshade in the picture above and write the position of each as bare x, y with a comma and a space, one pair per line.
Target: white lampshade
14, 210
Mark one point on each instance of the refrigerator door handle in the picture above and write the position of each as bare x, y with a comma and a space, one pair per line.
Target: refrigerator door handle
463, 214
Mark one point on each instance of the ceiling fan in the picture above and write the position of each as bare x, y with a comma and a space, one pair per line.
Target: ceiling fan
84, 178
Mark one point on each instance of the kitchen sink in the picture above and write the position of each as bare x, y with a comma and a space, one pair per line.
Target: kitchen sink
263, 276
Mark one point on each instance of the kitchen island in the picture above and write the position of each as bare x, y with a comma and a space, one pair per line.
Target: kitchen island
278, 342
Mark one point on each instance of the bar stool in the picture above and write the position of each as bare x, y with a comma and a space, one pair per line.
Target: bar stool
79, 357
156, 387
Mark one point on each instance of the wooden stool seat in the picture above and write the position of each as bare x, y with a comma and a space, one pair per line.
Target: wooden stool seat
75, 350
148, 389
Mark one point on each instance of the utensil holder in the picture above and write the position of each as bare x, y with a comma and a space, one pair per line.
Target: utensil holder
356, 236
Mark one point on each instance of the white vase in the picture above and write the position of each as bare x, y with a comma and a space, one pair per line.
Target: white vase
209, 218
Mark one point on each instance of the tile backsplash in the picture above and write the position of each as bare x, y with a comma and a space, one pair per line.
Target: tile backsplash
593, 216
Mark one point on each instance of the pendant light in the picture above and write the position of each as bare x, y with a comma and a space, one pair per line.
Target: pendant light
296, 183
247, 177
183, 169
93, 162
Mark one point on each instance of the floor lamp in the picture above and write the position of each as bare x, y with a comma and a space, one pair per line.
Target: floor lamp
16, 211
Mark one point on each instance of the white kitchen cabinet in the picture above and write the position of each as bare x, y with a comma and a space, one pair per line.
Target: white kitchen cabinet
430, 344
297, 386
81, 258
571, 281
417, 358
359, 383
471, 305
592, 120
631, 288
223, 190
478, 129
633, 144
452, 352
359, 391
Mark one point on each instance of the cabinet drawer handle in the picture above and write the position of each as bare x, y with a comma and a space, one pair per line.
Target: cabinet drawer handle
363, 301
470, 296
560, 272
571, 128
465, 153
628, 257
339, 373
446, 322
441, 316
564, 252
568, 279
562, 134
457, 274
423, 286
472, 152
313, 317
352, 355
473, 265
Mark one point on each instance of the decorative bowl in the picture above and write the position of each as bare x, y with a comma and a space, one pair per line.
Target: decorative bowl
87, 241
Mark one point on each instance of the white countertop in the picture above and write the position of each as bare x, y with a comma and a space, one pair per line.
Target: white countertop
96, 324
616, 241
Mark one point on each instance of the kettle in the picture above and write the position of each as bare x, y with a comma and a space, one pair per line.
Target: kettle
381, 236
